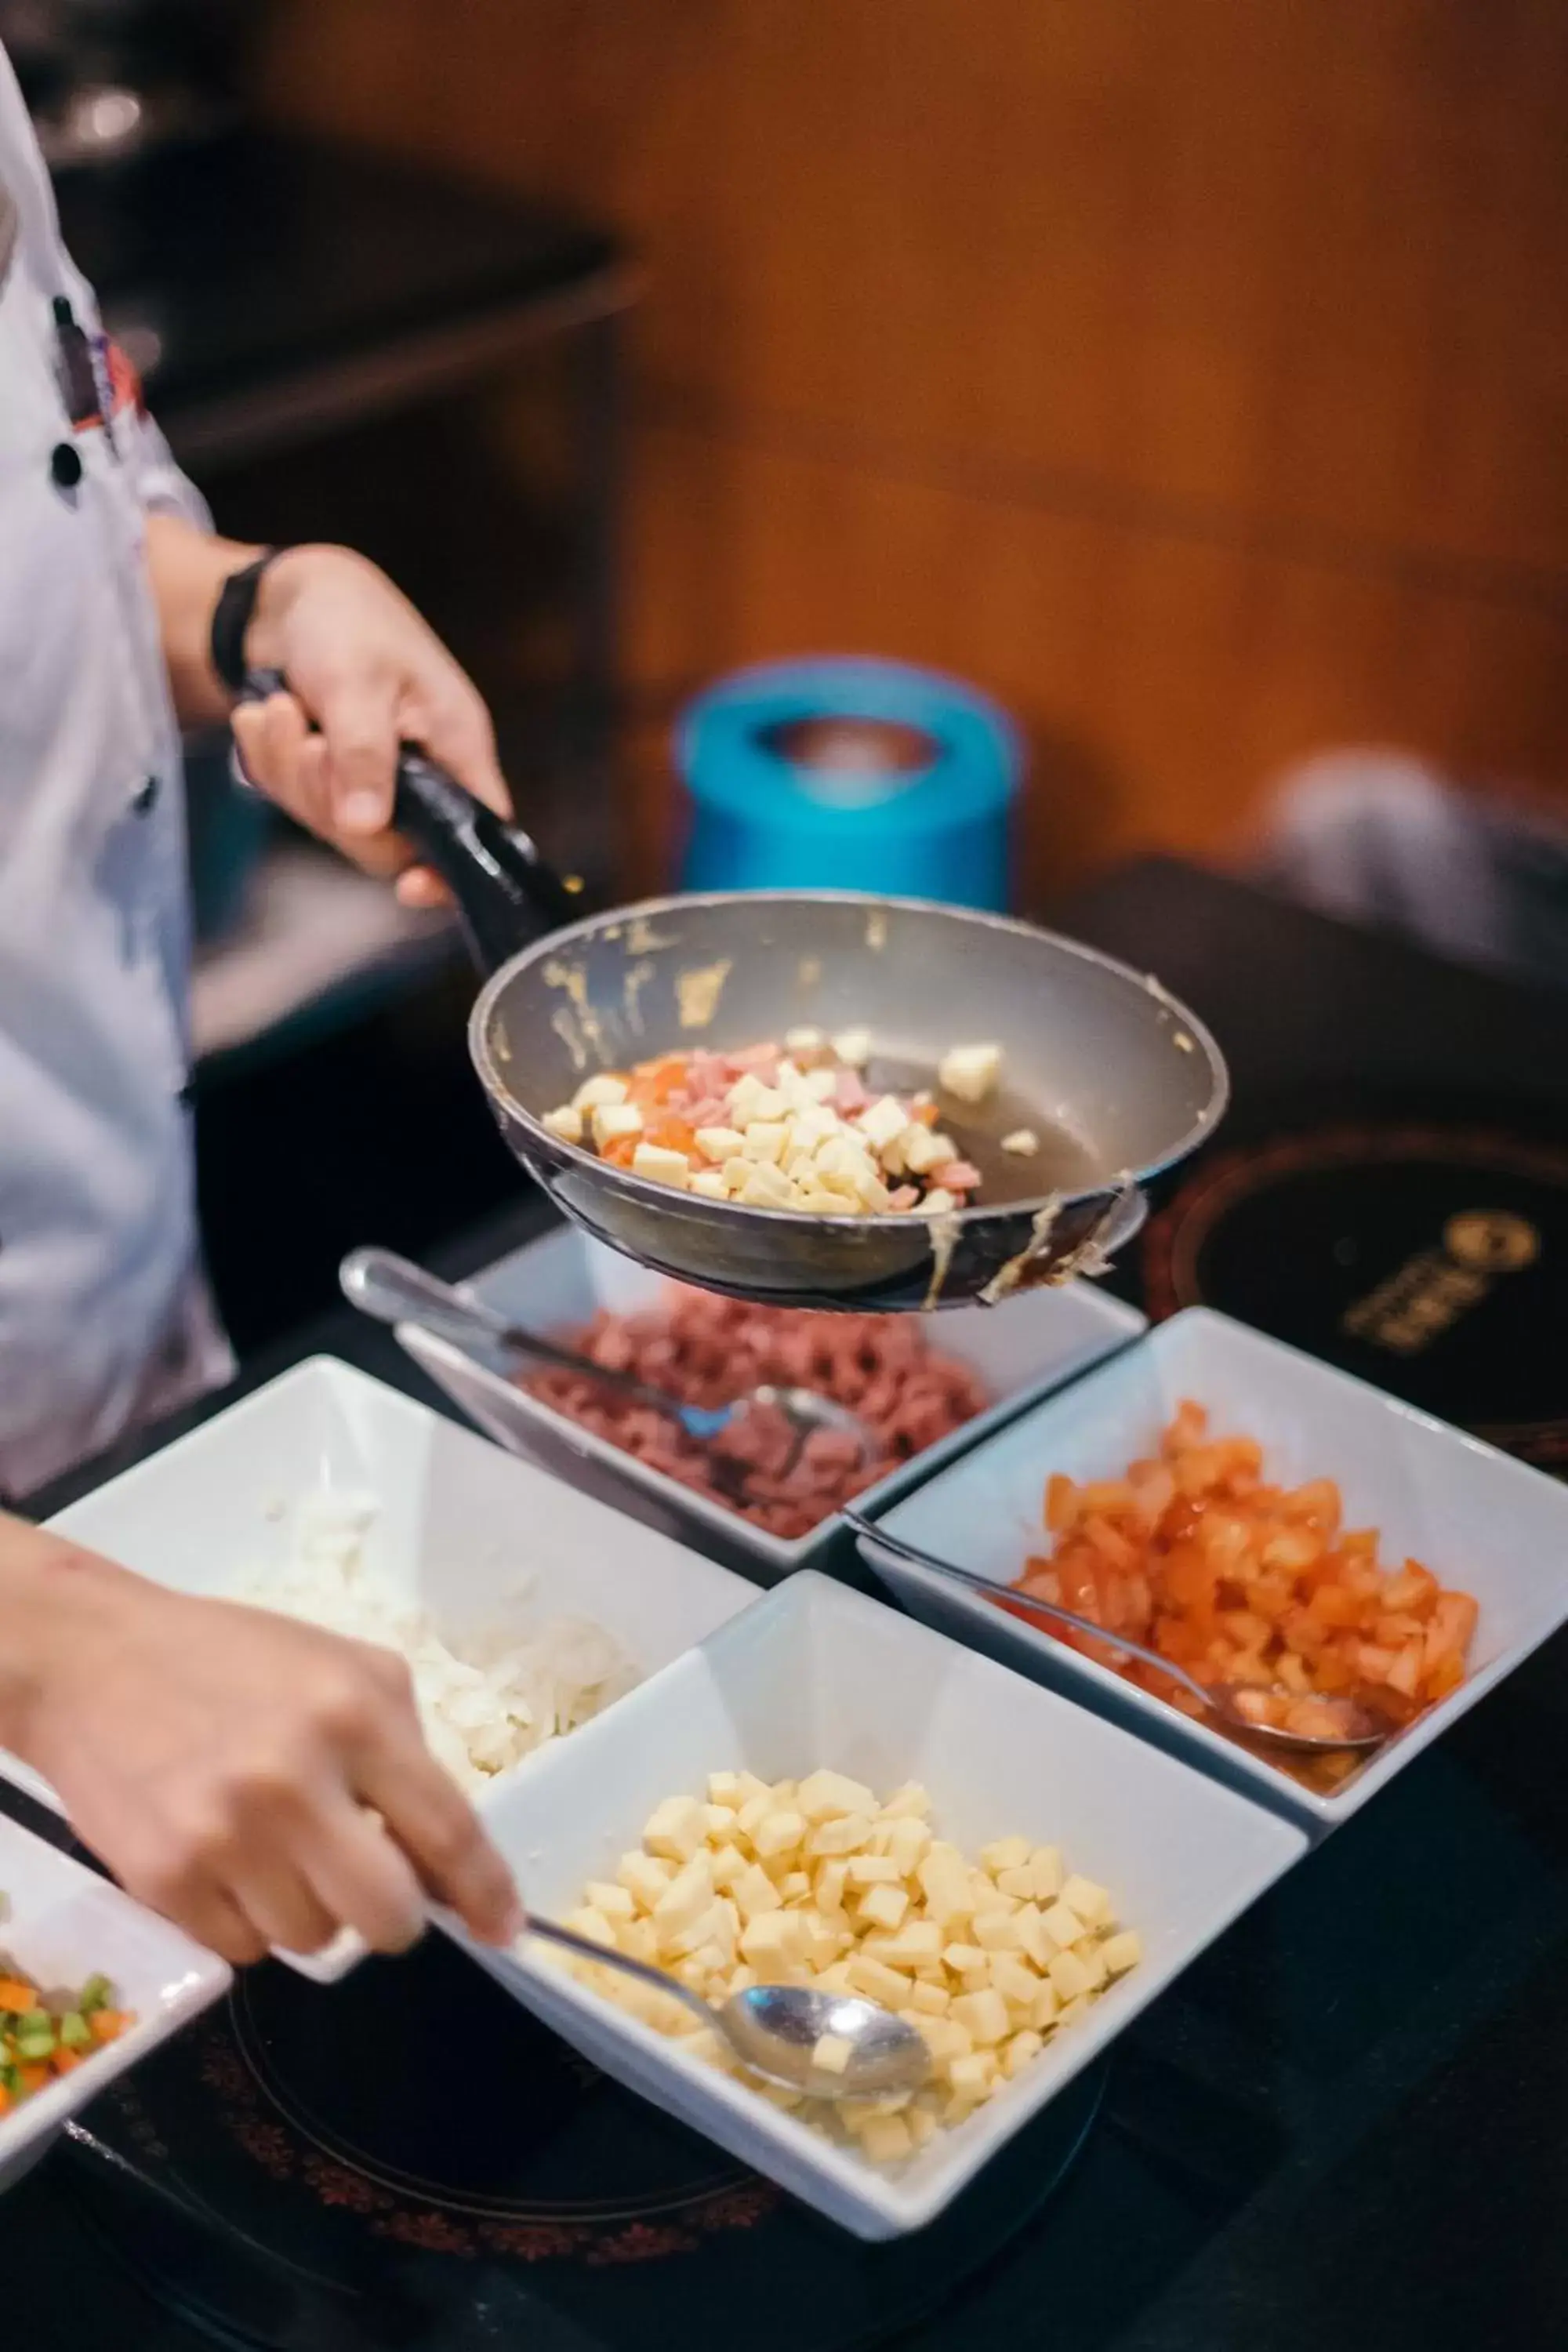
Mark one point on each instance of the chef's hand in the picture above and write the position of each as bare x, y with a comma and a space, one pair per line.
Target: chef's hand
228, 1765
365, 674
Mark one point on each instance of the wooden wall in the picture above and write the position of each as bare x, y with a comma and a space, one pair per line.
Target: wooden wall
1192, 372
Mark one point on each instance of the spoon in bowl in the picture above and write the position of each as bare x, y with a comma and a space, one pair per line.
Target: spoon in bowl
774, 2030
1231, 1702
391, 1289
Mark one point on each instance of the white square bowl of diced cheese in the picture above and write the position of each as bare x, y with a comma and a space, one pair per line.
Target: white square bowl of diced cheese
326, 1486
1481, 1523
1019, 1351
821, 1681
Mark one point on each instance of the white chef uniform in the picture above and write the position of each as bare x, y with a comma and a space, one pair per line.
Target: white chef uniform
104, 1316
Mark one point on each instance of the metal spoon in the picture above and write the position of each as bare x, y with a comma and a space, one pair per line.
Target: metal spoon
773, 2029
1227, 1700
393, 1290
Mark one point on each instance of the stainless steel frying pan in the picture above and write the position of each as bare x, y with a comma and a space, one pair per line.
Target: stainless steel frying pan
1117, 1080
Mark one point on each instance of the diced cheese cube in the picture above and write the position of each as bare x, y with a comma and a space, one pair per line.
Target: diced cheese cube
645, 1876
768, 1940
1074, 2010
958, 2110
1019, 1882
995, 1931
831, 2054
720, 1143
765, 1139
728, 1865
1068, 1975
834, 1978
983, 2015
1092, 1958
818, 1202
709, 1185
973, 2076
830, 1882
826, 1795
661, 1167
1022, 1142
1014, 1978
823, 1942
820, 1084
795, 1886
687, 1897
914, 1945
766, 1187
884, 1907
907, 1841
1022, 2051
1092, 1903
921, 1151
778, 1833
750, 1099
636, 1939
1063, 1926
612, 1119
930, 1999
1123, 1952
964, 1958
945, 1885
724, 1789
852, 1046
887, 2140
593, 1092
813, 1125
587, 1921
939, 1200
947, 2039
616, 1902
970, 1072
756, 1807
922, 2125
565, 1123
1033, 1940
695, 1937
755, 1892
1045, 1863
803, 1040
1004, 1853
677, 1828
882, 1121
878, 1981
911, 1801
844, 1835
874, 1870
1043, 2015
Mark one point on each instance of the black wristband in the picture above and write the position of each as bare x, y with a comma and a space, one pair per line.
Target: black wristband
231, 619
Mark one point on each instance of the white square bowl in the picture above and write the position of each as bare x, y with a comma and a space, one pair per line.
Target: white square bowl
464, 1528
61, 1924
1481, 1521
1020, 1350
818, 1675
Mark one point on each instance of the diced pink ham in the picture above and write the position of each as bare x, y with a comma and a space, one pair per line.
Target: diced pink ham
955, 1175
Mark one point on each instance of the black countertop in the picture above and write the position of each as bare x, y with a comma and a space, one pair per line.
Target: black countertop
1344, 2126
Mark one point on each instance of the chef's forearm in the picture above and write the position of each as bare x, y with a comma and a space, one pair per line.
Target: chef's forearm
46, 1584
187, 568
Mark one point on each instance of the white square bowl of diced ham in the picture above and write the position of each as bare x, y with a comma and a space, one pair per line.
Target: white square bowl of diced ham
825, 1792
939, 1385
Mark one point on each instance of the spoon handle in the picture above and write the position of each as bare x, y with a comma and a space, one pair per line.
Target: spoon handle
917, 1558
393, 1289
585, 1948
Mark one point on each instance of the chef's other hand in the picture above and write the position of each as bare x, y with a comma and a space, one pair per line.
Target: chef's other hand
366, 673
259, 1781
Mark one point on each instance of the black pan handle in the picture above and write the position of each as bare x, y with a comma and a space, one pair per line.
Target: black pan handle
507, 895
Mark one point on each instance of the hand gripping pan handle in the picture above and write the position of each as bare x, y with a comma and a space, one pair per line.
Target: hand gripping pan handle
507, 895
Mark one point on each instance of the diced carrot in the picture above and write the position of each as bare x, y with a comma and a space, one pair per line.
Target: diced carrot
109, 2024
1318, 1501
5, 2100
1404, 1674
923, 1114
65, 2061
1414, 1588
31, 2079
17, 1995
619, 1150
670, 1133
1061, 1504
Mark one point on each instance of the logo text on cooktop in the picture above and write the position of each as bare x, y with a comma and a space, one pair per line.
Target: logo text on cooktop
1430, 1291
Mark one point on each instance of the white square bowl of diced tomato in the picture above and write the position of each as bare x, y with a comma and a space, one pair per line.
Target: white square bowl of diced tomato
1460, 1552
111, 1982
818, 1680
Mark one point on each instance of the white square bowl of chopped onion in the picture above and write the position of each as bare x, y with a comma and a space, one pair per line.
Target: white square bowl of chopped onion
522, 1606
815, 1682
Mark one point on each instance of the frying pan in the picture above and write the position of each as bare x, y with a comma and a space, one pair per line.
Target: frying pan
1117, 1080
